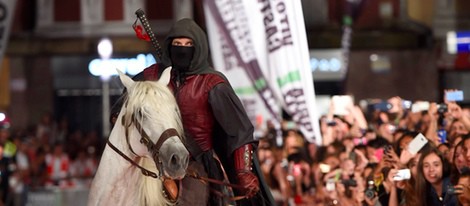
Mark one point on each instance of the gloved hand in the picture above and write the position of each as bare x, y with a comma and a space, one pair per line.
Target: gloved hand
243, 157
249, 182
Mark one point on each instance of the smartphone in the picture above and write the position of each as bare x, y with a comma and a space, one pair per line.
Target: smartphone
392, 128
442, 134
330, 185
419, 107
388, 148
417, 143
342, 104
360, 141
403, 174
383, 106
406, 104
455, 96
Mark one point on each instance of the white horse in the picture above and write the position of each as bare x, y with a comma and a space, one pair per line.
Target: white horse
144, 148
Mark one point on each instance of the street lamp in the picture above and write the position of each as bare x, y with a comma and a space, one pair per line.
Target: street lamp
105, 50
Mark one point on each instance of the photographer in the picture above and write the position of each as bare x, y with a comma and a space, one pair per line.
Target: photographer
460, 122
339, 191
462, 189
447, 121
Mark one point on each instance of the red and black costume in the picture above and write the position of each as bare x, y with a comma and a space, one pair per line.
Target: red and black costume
213, 116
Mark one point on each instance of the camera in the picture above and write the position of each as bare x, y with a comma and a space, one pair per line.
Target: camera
349, 182
452, 190
442, 108
370, 191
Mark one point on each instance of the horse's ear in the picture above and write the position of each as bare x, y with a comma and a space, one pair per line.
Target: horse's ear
165, 77
126, 81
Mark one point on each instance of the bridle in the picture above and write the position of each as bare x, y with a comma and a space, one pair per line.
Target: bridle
154, 149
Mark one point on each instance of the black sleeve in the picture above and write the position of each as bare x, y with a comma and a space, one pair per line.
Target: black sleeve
231, 116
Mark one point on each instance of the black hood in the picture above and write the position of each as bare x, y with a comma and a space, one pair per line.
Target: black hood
189, 28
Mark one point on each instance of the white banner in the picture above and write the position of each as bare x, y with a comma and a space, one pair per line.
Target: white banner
263, 45
7, 7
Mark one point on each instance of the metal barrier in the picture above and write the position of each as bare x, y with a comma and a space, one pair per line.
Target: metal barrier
58, 197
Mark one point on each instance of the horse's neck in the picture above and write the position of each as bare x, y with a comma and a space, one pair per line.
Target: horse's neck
116, 180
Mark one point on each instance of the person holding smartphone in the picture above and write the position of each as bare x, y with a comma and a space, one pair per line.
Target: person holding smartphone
462, 189
457, 115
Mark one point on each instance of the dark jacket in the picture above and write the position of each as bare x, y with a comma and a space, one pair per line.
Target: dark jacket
447, 199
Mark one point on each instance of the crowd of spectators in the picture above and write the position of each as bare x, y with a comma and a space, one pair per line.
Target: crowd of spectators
48, 155
370, 155
374, 155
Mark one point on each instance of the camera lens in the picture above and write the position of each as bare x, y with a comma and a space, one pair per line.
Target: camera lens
370, 193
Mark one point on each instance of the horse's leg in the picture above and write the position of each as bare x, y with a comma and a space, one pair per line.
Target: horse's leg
193, 191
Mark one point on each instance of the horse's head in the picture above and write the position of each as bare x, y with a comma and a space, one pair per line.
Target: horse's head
152, 123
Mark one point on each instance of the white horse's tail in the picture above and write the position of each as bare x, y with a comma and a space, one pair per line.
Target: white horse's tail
152, 188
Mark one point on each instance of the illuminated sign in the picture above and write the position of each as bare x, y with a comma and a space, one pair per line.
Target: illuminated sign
458, 42
132, 66
327, 64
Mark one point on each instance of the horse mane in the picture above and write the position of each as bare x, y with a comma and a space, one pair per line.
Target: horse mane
152, 100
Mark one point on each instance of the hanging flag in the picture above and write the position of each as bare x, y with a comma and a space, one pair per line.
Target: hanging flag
7, 7
265, 42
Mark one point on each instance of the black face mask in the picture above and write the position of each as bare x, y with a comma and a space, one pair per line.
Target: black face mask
181, 57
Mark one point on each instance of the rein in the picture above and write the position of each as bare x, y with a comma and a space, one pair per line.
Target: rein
207, 180
144, 171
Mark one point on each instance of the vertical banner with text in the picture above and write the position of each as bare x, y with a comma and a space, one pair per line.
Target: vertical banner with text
262, 48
